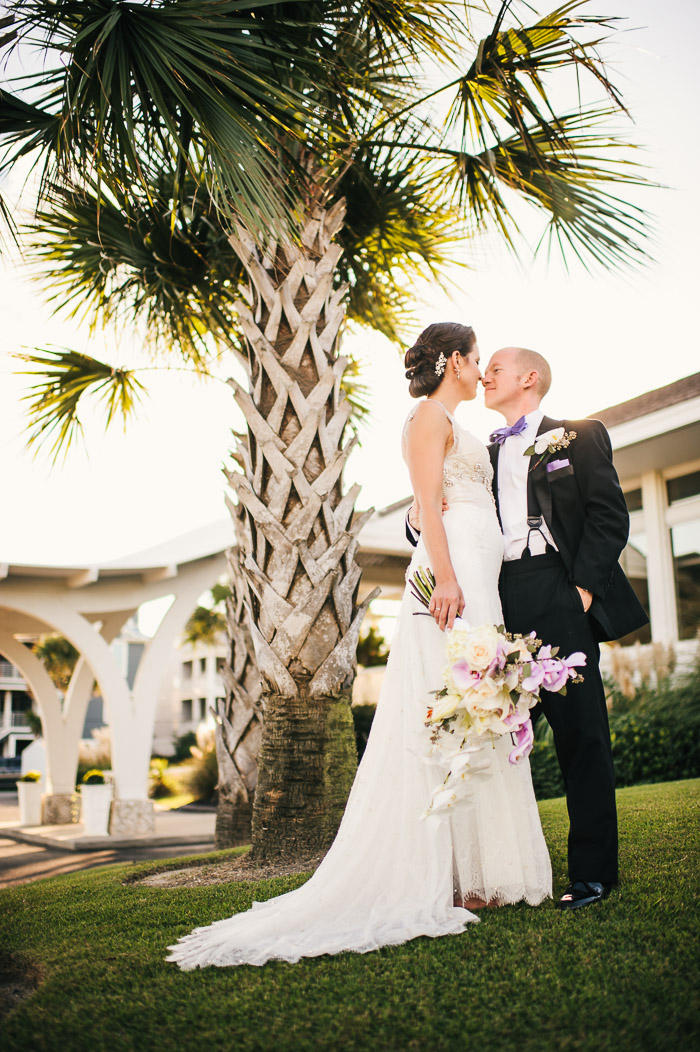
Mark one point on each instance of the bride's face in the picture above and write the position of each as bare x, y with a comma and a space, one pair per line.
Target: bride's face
469, 373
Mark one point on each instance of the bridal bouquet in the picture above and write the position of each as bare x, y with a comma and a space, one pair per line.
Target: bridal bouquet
491, 681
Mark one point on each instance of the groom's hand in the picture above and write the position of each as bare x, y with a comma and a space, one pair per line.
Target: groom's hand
586, 597
414, 514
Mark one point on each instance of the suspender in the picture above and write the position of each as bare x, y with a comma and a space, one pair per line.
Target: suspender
534, 521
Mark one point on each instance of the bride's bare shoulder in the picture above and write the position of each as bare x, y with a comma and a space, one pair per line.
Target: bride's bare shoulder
428, 427
429, 417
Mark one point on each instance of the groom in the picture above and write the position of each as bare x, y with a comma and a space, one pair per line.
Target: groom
565, 524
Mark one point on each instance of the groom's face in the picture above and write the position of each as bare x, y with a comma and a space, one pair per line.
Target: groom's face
502, 380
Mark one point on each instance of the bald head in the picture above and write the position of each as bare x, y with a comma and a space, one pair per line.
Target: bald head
515, 381
527, 361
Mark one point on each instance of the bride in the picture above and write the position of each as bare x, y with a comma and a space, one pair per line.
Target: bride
393, 874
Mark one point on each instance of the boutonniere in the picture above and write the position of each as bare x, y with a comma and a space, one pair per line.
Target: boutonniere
548, 443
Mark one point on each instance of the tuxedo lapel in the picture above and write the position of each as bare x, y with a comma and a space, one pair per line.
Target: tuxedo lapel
537, 475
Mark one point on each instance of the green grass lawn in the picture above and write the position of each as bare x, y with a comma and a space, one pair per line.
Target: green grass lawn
618, 976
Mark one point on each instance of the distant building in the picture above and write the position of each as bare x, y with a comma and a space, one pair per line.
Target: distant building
190, 693
16, 702
656, 449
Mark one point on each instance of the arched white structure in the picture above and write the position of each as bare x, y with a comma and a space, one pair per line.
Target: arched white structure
89, 605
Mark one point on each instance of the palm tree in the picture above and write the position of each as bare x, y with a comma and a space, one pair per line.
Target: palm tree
250, 175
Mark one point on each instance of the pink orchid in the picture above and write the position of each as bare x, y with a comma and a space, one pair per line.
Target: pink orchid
463, 676
533, 682
516, 720
524, 737
559, 670
503, 649
555, 674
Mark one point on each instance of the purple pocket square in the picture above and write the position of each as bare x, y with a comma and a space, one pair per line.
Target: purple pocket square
554, 465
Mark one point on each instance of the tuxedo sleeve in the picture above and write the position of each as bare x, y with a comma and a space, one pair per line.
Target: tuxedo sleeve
606, 519
413, 536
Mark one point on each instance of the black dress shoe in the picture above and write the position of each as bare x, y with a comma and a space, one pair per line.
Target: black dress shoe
583, 893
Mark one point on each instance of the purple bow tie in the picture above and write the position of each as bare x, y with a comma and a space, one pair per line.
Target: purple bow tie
502, 433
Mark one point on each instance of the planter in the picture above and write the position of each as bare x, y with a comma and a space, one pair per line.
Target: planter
95, 802
29, 794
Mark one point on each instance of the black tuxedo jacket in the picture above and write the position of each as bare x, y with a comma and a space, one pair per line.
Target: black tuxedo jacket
584, 508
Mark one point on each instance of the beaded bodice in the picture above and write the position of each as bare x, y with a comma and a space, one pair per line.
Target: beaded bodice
467, 471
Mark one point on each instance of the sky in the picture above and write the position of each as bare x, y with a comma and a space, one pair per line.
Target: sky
608, 336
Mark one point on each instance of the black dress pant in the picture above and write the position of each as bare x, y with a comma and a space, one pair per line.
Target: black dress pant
536, 593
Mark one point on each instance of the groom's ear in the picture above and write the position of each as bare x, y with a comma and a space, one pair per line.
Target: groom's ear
530, 379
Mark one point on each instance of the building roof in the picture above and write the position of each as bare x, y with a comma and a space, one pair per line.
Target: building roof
651, 401
162, 559
383, 535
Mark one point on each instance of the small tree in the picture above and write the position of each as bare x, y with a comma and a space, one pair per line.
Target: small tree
59, 658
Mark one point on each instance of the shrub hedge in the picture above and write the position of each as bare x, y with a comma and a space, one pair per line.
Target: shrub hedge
655, 737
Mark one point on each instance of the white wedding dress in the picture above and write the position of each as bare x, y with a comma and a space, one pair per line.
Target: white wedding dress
391, 873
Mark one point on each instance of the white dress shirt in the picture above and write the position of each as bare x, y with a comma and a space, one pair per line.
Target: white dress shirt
513, 467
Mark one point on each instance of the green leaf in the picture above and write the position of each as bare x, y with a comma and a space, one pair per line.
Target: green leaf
63, 378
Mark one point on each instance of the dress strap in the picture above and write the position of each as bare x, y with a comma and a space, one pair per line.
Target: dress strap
434, 401
448, 414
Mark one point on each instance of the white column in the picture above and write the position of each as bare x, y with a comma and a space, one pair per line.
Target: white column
60, 739
662, 592
7, 708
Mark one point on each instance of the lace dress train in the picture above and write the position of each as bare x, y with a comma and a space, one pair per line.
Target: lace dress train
391, 874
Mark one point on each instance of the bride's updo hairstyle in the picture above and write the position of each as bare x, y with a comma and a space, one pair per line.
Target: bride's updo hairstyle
421, 360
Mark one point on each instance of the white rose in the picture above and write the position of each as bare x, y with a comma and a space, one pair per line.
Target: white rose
549, 438
480, 646
487, 697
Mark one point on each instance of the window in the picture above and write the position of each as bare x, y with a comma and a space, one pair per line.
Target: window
220, 664
187, 670
633, 499
186, 711
685, 542
683, 486
203, 665
202, 708
634, 563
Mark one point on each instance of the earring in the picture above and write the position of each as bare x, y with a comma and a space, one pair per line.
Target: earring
457, 371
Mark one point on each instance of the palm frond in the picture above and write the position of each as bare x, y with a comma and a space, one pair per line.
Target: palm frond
111, 253
399, 227
502, 131
357, 393
143, 80
573, 179
63, 378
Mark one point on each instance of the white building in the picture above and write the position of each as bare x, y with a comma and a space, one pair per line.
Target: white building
190, 693
16, 702
656, 448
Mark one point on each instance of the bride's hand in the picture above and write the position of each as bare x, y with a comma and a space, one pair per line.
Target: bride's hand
446, 603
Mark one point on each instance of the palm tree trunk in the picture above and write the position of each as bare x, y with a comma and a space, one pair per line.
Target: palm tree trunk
301, 573
238, 722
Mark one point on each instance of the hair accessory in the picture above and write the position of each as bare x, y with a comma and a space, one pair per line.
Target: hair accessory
440, 364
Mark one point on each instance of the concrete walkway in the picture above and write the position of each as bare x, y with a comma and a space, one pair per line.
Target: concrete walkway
34, 852
172, 828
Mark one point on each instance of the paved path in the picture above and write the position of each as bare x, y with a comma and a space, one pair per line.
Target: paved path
24, 862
